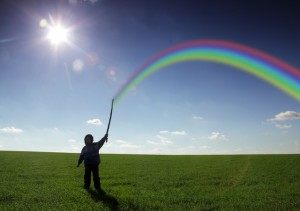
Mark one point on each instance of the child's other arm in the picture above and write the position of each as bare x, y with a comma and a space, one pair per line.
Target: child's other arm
81, 157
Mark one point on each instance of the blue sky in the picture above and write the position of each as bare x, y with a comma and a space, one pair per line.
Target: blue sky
51, 97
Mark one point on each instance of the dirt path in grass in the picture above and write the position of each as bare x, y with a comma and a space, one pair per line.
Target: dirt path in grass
235, 181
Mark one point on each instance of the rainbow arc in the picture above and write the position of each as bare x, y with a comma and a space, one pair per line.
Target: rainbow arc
257, 63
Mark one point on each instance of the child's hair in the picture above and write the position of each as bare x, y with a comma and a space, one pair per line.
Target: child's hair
88, 139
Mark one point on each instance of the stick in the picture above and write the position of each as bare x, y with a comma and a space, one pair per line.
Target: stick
112, 106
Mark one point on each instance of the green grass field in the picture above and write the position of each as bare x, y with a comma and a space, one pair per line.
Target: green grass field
51, 181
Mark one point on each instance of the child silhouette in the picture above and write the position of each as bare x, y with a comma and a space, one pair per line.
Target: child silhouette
90, 155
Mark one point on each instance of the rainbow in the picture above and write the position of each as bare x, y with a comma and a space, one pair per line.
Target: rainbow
268, 68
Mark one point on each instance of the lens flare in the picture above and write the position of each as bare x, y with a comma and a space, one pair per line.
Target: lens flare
78, 65
92, 59
43, 23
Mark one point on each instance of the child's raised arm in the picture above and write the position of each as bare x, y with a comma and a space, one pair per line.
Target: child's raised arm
101, 142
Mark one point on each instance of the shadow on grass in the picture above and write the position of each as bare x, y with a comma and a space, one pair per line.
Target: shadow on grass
101, 196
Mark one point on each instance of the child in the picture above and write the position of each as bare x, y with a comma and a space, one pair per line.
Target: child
91, 157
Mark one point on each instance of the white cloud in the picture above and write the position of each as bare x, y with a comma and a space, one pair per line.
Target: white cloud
75, 148
237, 149
164, 140
175, 133
161, 137
152, 142
52, 130
178, 133
284, 116
283, 126
157, 150
10, 130
287, 115
121, 141
161, 141
196, 117
72, 140
73, 145
217, 136
1, 146
204, 147
94, 122
125, 144
130, 146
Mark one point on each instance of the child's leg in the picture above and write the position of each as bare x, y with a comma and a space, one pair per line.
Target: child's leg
87, 176
96, 177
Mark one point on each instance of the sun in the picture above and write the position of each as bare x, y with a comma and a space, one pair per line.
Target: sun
57, 34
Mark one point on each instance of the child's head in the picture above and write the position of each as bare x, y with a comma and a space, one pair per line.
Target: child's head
88, 139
